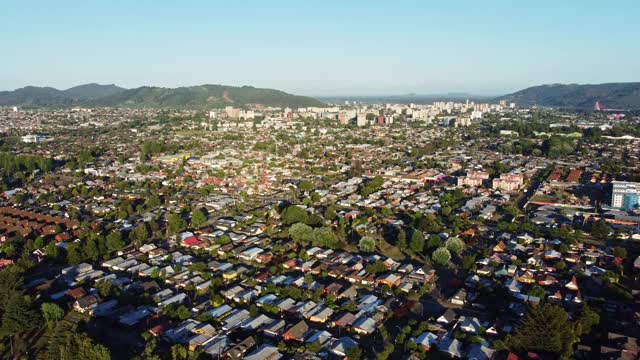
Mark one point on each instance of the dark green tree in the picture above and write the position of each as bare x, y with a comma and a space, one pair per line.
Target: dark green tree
152, 202
104, 288
417, 241
587, 320
302, 233
441, 256
114, 241
90, 249
325, 237
52, 313
401, 239
294, 214
367, 244
544, 329
140, 234
176, 223
600, 229
18, 316
434, 242
536, 291
71, 346
74, 253
305, 185
454, 245
198, 218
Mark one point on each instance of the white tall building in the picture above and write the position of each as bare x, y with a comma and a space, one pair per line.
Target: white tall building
361, 119
625, 195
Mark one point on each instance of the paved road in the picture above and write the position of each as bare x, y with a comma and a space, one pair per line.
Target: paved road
531, 190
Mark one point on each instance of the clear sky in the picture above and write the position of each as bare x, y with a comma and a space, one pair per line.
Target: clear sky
321, 47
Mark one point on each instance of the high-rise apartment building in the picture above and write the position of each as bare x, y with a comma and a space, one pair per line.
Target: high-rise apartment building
625, 195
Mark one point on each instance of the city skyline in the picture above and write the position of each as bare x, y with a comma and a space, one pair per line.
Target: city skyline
326, 49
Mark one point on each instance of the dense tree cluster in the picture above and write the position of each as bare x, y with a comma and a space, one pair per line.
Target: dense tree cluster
372, 186
321, 236
294, 214
11, 163
66, 345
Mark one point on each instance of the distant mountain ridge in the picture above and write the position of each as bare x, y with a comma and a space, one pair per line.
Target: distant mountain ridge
33, 96
202, 97
193, 97
576, 96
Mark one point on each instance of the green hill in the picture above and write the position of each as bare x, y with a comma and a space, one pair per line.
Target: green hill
204, 97
33, 96
575, 96
93, 91
193, 97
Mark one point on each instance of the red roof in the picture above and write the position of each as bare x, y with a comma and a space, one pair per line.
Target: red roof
190, 241
513, 356
76, 293
161, 328
290, 263
574, 175
262, 276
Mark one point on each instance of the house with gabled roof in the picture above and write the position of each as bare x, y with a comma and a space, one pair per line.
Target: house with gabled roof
447, 317
451, 347
217, 346
237, 351
426, 340
572, 284
389, 279
264, 352
527, 277
364, 325
480, 352
546, 280
470, 325
297, 332
275, 328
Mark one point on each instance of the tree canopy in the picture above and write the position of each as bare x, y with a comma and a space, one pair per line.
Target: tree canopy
294, 214
441, 256
302, 233
367, 244
417, 241
454, 245
198, 218
544, 329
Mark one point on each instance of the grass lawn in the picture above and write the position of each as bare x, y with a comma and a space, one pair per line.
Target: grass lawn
389, 250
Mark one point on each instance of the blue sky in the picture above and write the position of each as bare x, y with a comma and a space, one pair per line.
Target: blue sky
322, 47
